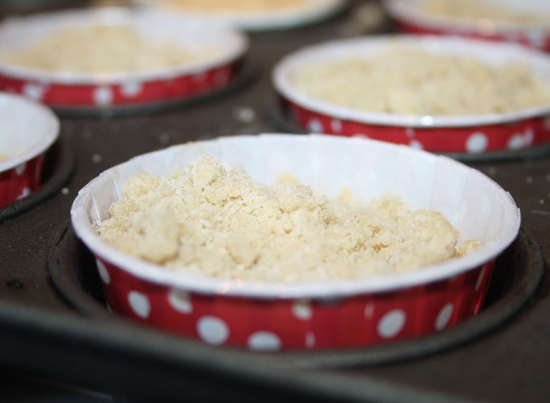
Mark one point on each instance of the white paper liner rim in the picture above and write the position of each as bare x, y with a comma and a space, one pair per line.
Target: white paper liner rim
453, 45
263, 289
47, 134
236, 46
315, 10
408, 10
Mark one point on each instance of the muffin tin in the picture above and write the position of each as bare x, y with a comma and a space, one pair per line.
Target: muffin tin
46, 332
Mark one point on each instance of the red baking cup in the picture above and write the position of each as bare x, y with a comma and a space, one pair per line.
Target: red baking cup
275, 324
476, 139
262, 20
100, 96
473, 134
96, 91
28, 130
410, 19
271, 316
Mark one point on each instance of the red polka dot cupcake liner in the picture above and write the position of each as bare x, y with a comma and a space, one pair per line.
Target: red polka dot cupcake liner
28, 131
313, 323
273, 316
475, 134
410, 19
88, 91
517, 135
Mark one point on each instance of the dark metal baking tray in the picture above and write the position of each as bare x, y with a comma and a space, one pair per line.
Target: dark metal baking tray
42, 334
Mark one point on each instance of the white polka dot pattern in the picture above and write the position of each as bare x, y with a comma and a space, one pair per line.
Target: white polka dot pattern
131, 89
300, 323
477, 142
536, 37
302, 310
310, 340
103, 272
19, 169
369, 310
444, 317
212, 330
315, 126
416, 144
264, 341
24, 193
336, 125
180, 301
34, 91
515, 142
140, 304
391, 323
429, 137
103, 96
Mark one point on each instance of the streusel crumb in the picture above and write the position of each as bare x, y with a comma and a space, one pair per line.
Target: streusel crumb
221, 223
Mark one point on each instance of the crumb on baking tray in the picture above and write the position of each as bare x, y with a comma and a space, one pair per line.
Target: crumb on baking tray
221, 223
